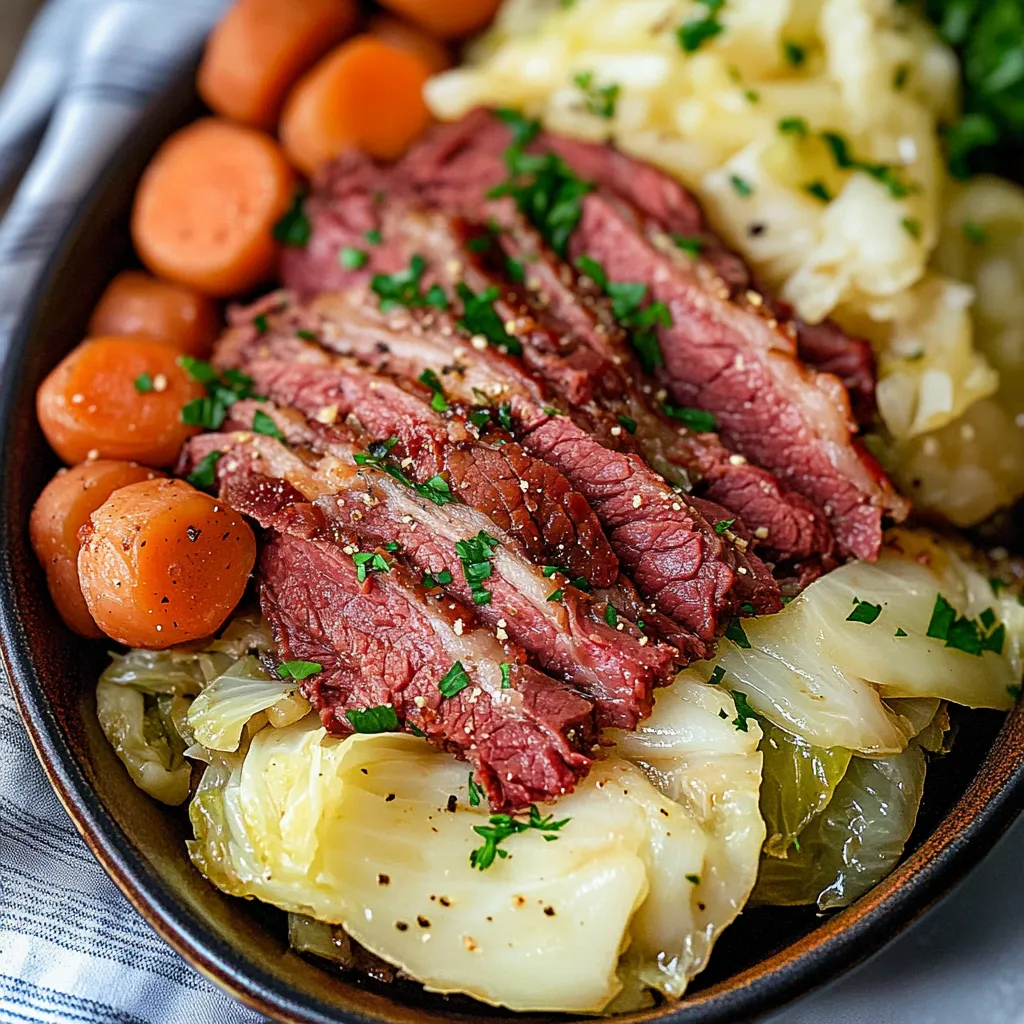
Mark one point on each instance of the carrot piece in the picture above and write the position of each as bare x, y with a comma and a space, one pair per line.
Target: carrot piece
59, 513
367, 93
162, 563
206, 207
117, 398
135, 303
405, 36
446, 19
260, 48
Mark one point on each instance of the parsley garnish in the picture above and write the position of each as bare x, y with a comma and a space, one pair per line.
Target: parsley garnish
743, 710
432, 381
204, 473
353, 259
716, 676
556, 595
370, 720
900, 77
516, 270
306, 335
298, 670
263, 424
900, 631
912, 226
505, 415
963, 634
545, 190
475, 555
437, 579
697, 420
373, 236
735, 632
974, 233
692, 245
694, 879
628, 422
479, 317
475, 792
377, 456
1014, 691
454, 681
741, 186
600, 100
403, 288
796, 55
864, 611
695, 32
882, 173
261, 323
724, 525
611, 616
506, 675
819, 190
223, 390
144, 383
369, 561
794, 126
294, 228
502, 826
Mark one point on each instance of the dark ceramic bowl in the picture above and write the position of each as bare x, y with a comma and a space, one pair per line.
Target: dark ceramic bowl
768, 957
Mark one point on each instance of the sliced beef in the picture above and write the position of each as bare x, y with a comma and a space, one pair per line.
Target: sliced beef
383, 642
571, 638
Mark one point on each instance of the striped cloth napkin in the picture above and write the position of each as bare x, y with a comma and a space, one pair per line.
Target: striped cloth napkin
71, 947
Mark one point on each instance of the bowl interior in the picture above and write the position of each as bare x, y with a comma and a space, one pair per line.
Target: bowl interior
767, 957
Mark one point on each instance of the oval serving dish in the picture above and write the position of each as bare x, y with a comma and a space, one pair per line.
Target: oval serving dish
769, 956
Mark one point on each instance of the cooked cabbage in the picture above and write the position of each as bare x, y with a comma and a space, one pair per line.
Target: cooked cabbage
218, 715
358, 833
855, 841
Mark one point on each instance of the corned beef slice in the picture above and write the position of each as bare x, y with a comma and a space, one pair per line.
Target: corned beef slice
570, 638
382, 641
729, 357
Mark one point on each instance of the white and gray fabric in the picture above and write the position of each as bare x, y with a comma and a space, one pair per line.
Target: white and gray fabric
71, 947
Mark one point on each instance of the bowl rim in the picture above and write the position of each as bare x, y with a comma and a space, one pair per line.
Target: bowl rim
991, 802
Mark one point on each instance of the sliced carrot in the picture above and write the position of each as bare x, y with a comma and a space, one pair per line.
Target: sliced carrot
367, 93
136, 303
406, 36
446, 19
207, 204
59, 513
260, 48
162, 563
117, 398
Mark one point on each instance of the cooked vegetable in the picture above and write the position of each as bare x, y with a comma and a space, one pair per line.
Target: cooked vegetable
366, 93
117, 398
259, 49
447, 19
855, 842
138, 304
404, 36
162, 563
219, 713
206, 206
59, 513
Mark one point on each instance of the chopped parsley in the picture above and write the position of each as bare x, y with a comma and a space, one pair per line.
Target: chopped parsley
882, 173
1014, 691
373, 236
505, 415
475, 792
261, 323
794, 126
695, 32
353, 259
403, 288
502, 826
900, 77
972, 636
431, 380
628, 422
222, 391
506, 675
144, 383
864, 611
454, 681
298, 670
912, 226
724, 525
900, 631
205, 471
480, 317
744, 711
974, 233
796, 55
694, 879
544, 188
717, 676
697, 420
556, 595
741, 186
306, 335
370, 720
600, 100
611, 616
516, 270
293, 228
378, 456
263, 424
819, 190
475, 555
735, 632
692, 245
369, 561
436, 579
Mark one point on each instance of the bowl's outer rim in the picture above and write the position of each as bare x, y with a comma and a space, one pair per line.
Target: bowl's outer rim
993, 800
